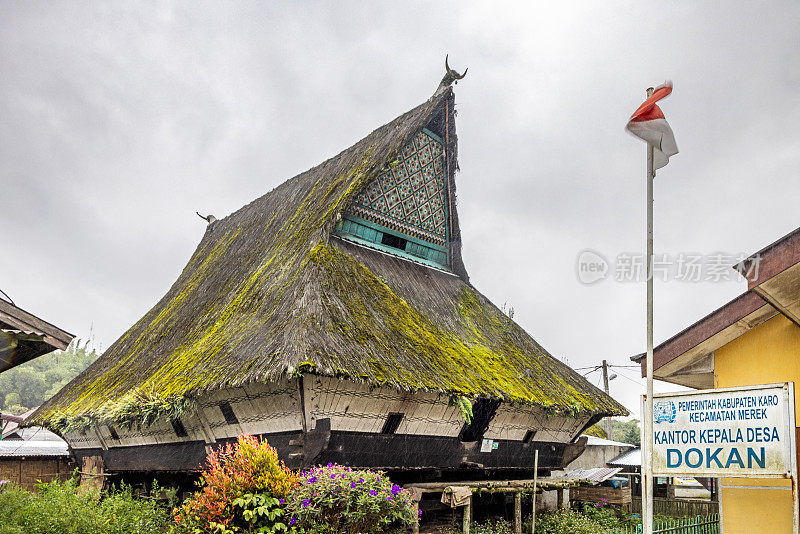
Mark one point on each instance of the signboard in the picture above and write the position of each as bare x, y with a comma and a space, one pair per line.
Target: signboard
488, 445
734, 432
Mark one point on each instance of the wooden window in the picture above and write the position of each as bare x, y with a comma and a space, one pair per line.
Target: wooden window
393, 241
179, 429
227, 412
392, 422
482, 414
528, 436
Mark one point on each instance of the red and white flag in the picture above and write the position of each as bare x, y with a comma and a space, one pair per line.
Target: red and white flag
648, 123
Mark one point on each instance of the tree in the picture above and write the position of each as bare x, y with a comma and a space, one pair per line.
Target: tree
596, 431
33, 382
627, 432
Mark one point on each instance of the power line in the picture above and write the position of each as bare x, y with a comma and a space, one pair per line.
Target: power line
628, 371
610, 365
631, 379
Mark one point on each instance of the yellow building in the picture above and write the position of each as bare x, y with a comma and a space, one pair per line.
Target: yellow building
753, 339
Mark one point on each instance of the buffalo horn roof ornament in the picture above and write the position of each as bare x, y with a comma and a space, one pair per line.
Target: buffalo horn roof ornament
208, 218
450, 76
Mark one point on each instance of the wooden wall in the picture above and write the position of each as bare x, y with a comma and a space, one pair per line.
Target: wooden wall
26, 472
291, 405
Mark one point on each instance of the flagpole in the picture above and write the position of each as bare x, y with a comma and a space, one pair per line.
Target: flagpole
647, 446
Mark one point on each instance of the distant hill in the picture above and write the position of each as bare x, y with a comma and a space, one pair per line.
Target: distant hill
30, 384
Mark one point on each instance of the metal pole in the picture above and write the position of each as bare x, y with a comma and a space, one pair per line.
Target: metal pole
647, 446
605, 386
533, 497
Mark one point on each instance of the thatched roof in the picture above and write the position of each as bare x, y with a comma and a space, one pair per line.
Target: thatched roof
272, 291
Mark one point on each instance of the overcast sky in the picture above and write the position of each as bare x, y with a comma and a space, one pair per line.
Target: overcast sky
118, 121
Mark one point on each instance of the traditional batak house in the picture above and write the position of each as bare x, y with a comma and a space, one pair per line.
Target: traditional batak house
334, 316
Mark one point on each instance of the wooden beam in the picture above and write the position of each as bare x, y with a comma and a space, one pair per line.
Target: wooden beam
467, 515
533, 496
786, 312
103, 444
518, 513
22, 320
205, 428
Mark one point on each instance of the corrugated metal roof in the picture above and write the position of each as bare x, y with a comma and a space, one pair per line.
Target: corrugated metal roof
31, 433
18, 332
631, 458
19, 448
594, 441
595, 475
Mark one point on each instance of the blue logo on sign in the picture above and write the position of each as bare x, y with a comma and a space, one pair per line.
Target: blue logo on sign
664, 411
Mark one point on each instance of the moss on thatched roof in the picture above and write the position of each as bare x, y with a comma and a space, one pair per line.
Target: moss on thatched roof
271, 291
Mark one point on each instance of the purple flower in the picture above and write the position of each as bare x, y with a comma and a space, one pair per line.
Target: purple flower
361, 480
306, 503
388, 497
396, 489
292, 522
352, 484
373, 492
330, 465
312, 480
282, 501
333, 475
420, 513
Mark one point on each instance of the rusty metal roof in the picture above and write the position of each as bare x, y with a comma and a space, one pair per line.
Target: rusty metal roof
595, 475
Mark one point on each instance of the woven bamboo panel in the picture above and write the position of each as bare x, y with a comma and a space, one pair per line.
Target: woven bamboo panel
27, 473
619, 496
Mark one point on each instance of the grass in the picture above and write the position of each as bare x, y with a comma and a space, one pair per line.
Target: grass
59, 508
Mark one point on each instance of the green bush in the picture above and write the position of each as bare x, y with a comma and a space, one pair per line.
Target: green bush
58, 508
496, 526
588, 519
336, 499
243, 489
